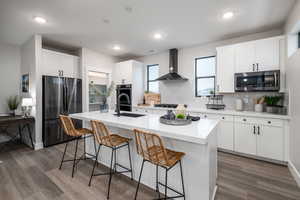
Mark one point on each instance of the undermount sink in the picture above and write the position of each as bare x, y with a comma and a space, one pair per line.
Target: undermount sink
130, 115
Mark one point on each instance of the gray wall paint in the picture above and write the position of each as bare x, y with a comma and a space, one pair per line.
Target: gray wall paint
292, 73
10, 75
185, 92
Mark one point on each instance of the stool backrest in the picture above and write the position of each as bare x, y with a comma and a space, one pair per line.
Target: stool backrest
151, 147
102, 134
68, 125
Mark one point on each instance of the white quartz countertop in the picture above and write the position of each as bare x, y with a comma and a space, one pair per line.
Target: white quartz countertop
196, 132
227, 112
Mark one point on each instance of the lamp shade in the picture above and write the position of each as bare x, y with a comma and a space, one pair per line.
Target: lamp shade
27, 102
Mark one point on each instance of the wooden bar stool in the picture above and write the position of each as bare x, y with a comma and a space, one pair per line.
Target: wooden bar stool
151, 147
114, 142
81, 133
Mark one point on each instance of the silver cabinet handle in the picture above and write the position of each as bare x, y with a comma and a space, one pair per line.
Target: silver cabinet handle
257, 67
253, 69
258, 132
254, 130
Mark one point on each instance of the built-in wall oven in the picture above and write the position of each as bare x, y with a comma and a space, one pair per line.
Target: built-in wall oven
266, 81
124, 92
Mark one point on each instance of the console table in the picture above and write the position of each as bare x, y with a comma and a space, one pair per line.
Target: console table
19, 121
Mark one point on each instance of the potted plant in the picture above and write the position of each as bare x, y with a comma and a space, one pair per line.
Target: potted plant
272, 105
13, 103
104, 107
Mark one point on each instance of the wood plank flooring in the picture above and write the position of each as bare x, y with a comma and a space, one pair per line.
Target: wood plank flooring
34, 175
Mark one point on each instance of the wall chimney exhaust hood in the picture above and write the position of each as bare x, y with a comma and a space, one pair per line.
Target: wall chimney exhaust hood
173, 68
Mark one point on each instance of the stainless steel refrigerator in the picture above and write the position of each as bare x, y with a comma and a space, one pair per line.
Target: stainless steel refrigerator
61, 95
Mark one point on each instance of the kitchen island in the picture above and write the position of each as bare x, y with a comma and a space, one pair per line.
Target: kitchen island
198, 140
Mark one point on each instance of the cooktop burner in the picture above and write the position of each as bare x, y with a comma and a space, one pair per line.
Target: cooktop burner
167, 105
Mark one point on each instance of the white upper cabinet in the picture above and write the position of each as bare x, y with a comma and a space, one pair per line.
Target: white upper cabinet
259, 55
267, 54
59, 64
245, 57
225, 69
123, 72
131, 72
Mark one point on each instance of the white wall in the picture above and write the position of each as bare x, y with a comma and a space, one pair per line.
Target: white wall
10, 74
94, 61
184, 92
30, 62
292, 73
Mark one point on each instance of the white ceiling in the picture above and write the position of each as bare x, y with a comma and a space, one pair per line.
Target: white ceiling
133, 22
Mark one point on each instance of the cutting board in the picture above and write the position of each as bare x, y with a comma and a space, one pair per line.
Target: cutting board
152, 97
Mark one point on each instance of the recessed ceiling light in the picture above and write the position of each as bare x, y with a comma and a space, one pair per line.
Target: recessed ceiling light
116, 47
40, 20
228, 15
157, 36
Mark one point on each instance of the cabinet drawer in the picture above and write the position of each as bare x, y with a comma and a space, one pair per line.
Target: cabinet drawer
227, 118
261, 121
208, 116
248, 120
271, 122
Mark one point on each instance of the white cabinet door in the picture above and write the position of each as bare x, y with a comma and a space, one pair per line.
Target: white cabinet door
245, 139
270, 142
245, 57
225, 69
267, 54
123, 73
69, 64
50, 63
53, 62
226, 135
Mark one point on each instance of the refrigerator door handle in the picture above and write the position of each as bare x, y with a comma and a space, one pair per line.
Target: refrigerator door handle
66, 97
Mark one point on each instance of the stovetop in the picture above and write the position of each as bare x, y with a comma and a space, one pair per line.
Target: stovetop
167, 105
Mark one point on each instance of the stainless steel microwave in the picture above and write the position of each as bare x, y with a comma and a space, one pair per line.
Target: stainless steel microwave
265, 81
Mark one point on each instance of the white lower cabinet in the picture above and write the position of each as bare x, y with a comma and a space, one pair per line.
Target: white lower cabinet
245, 139
226, 134
270, 142
225, 129
260, 137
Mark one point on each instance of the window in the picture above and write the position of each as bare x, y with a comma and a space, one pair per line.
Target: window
152, 75
205, 71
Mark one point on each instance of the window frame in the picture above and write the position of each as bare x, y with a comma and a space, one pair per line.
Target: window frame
148, 81
204, 77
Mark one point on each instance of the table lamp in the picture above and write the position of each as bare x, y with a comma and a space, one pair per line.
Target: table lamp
27, 104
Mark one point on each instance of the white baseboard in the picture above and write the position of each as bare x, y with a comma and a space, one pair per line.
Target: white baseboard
215, 193
294, 172
38, 146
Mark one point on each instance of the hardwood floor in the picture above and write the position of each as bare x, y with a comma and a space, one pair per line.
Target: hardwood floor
34, 175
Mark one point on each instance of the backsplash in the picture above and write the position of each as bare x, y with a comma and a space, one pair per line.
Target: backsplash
229, 100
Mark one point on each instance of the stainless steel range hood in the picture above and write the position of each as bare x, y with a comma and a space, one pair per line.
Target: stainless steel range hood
173, 68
